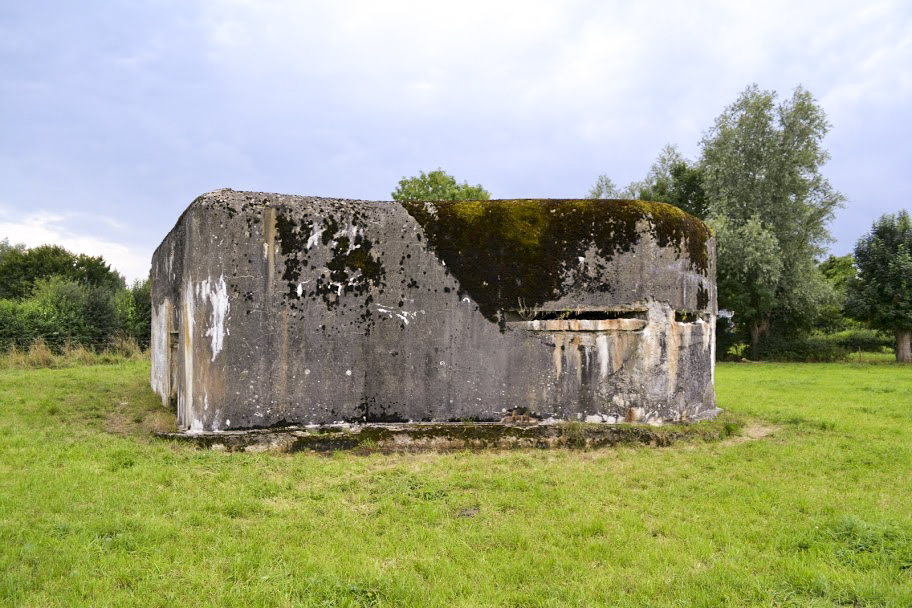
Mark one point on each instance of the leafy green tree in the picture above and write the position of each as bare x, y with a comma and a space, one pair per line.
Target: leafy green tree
761, 175
85, 314
837, 271
881, 293
437, 186
134, 311
674, 180
746, 253
604, 188
6, 247
671, 179
21, 269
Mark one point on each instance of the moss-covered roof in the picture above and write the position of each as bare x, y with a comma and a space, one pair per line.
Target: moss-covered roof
505, 252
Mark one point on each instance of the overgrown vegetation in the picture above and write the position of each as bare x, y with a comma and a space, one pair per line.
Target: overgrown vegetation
808, 507
40, 355
63, 300
437, 185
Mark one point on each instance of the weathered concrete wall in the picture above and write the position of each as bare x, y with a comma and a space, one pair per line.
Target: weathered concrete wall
272, 310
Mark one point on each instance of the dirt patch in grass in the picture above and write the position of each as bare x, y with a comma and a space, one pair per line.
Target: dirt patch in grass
127, 419
751, 432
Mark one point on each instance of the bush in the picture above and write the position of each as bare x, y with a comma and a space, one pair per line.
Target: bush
802, 349
63, 313
867, 340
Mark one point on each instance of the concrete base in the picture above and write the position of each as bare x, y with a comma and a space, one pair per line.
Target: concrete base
453, 436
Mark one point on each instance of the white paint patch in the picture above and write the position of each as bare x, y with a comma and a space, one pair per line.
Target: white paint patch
353, 232
300, 289
315, 236
185, 397
161, 372
216, 292
404, 315
348, 372
601, 342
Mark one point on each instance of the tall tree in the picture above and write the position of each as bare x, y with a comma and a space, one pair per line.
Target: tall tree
437, 186
761, 169
881, 292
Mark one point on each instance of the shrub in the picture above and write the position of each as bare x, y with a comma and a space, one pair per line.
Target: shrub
802, 349
867, 340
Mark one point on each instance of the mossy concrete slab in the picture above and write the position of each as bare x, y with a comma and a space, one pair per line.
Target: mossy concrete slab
449, 437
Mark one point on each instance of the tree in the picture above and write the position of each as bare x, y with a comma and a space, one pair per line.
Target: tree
881, 292
604, 188
746, 253
21, 269
837, 271
672, 179
134, 310
6, 247
437, 186
761, 175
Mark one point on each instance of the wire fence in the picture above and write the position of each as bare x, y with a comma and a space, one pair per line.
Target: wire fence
62, 342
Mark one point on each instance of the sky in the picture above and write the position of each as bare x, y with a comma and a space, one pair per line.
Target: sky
116, 114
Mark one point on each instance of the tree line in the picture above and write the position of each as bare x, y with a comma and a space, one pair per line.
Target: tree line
758, 185
65, 299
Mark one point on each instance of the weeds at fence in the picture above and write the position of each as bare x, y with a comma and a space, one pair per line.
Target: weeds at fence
39, 355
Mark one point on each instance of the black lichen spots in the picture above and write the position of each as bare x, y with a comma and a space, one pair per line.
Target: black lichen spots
519, 252
351, 266
702, 298
330, 228
353, 270
293, 245
369, 411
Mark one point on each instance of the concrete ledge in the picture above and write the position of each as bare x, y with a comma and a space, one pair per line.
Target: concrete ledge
454, 436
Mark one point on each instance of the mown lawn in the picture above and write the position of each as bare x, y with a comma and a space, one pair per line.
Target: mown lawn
814, 511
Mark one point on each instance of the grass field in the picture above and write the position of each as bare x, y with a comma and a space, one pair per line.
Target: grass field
812, 506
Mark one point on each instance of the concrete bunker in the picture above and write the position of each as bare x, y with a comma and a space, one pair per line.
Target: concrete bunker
274, 310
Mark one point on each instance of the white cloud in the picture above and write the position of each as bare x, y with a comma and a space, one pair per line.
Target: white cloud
47, 228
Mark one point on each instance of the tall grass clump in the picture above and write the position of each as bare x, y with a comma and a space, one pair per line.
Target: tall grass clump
40, 356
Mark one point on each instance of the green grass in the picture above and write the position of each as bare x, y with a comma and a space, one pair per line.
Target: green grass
814, 512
